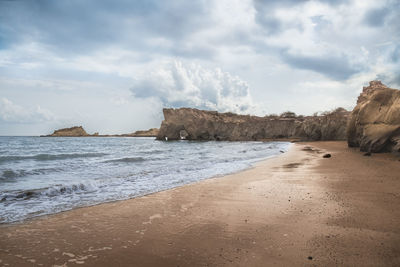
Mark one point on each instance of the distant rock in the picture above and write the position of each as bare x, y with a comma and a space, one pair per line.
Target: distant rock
78, 131
195, 124
75, 131
374, 124
153, 132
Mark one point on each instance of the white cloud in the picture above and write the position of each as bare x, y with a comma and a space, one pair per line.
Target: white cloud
304, 56
10, 112
190, 85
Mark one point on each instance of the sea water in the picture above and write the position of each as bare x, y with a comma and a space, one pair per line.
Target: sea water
45, 175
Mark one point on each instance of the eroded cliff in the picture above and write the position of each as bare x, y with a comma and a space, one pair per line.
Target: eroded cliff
374, 124
194, 124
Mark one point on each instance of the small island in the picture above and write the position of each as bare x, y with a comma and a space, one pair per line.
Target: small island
79, 131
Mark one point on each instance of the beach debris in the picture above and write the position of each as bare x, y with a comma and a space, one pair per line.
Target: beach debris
310, 258
327, 155
368, 154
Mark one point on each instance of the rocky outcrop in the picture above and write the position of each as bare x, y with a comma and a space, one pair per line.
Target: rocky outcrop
78, 131
374, 124
194, 124
75, 131
153, 132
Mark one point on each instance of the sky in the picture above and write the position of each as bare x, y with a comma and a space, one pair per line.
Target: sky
111, 66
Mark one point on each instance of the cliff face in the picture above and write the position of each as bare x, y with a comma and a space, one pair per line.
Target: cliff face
374, 124
194, 124
72, 132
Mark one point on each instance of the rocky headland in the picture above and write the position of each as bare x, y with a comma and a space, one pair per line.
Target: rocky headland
78, 131
75, 131
195, 124
374, 124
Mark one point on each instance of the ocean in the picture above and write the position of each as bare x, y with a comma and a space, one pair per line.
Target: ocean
45, 175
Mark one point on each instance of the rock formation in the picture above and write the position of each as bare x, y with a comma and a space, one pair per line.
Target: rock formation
374, 124
75, 131
153, 132
194, 124
78, 131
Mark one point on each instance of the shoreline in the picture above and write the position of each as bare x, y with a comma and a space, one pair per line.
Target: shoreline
251, 165
281, 211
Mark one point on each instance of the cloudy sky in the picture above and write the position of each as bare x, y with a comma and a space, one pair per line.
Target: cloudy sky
112, 66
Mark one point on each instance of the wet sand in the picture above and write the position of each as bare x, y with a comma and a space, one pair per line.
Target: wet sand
298, 209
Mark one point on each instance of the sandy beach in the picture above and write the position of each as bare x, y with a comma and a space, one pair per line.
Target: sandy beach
298, 209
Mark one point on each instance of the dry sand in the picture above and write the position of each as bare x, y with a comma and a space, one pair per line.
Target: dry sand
298, 209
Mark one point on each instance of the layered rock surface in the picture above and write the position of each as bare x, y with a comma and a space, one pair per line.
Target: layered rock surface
194, 124
374, 124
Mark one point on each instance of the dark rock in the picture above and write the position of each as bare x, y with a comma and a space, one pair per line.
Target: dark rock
309, 257
327, 156
183, 134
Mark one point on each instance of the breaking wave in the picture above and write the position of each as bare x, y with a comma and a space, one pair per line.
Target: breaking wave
45, 157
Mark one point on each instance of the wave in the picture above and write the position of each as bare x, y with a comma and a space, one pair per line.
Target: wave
154, 151
9, 175
126, 160
47, 192
44, 157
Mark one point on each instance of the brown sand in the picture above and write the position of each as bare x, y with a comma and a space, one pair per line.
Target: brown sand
341, 211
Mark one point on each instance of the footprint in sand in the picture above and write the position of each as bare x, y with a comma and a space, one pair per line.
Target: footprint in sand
185, 207
69, 254
99, 249
152, 217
